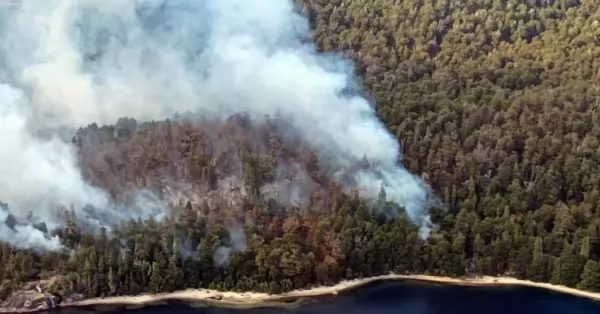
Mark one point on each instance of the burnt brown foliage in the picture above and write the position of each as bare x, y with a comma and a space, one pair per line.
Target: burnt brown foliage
221, 162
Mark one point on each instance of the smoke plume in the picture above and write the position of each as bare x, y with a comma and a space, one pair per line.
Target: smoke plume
69, 63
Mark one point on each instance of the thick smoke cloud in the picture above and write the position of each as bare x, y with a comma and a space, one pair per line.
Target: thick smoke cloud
24, 235
68, 63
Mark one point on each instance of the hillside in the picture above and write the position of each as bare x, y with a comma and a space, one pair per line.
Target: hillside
494, 103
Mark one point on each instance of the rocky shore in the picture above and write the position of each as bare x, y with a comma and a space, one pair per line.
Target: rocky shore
34, 297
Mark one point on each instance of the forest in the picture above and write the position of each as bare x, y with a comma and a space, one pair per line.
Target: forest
494, 103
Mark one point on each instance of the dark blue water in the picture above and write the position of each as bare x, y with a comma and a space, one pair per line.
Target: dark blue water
414, 298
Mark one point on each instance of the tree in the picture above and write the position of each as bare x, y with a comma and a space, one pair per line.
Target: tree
538, 267
112, 281
156, 278
590, 277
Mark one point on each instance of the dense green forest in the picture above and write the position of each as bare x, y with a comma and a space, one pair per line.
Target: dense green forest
495, 104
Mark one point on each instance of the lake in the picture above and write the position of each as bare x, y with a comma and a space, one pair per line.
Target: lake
412, 298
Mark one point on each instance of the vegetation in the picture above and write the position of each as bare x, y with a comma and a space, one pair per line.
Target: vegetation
495, 103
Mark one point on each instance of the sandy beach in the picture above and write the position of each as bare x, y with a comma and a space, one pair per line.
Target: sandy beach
250, 299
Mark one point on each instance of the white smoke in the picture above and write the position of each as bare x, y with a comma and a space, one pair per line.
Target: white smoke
292, 185
237, 243
25, 236
67, 63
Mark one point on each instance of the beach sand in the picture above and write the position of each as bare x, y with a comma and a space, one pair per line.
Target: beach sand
251, 299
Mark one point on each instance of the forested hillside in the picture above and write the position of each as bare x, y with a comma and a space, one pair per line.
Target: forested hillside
495, 104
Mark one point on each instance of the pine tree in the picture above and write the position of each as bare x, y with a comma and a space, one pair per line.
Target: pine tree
536, 271
112, 281
155, 278
556, 278
585, 248
590, 277
478, 254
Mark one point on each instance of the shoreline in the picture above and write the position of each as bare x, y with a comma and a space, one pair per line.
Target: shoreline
207, 297
254, 299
